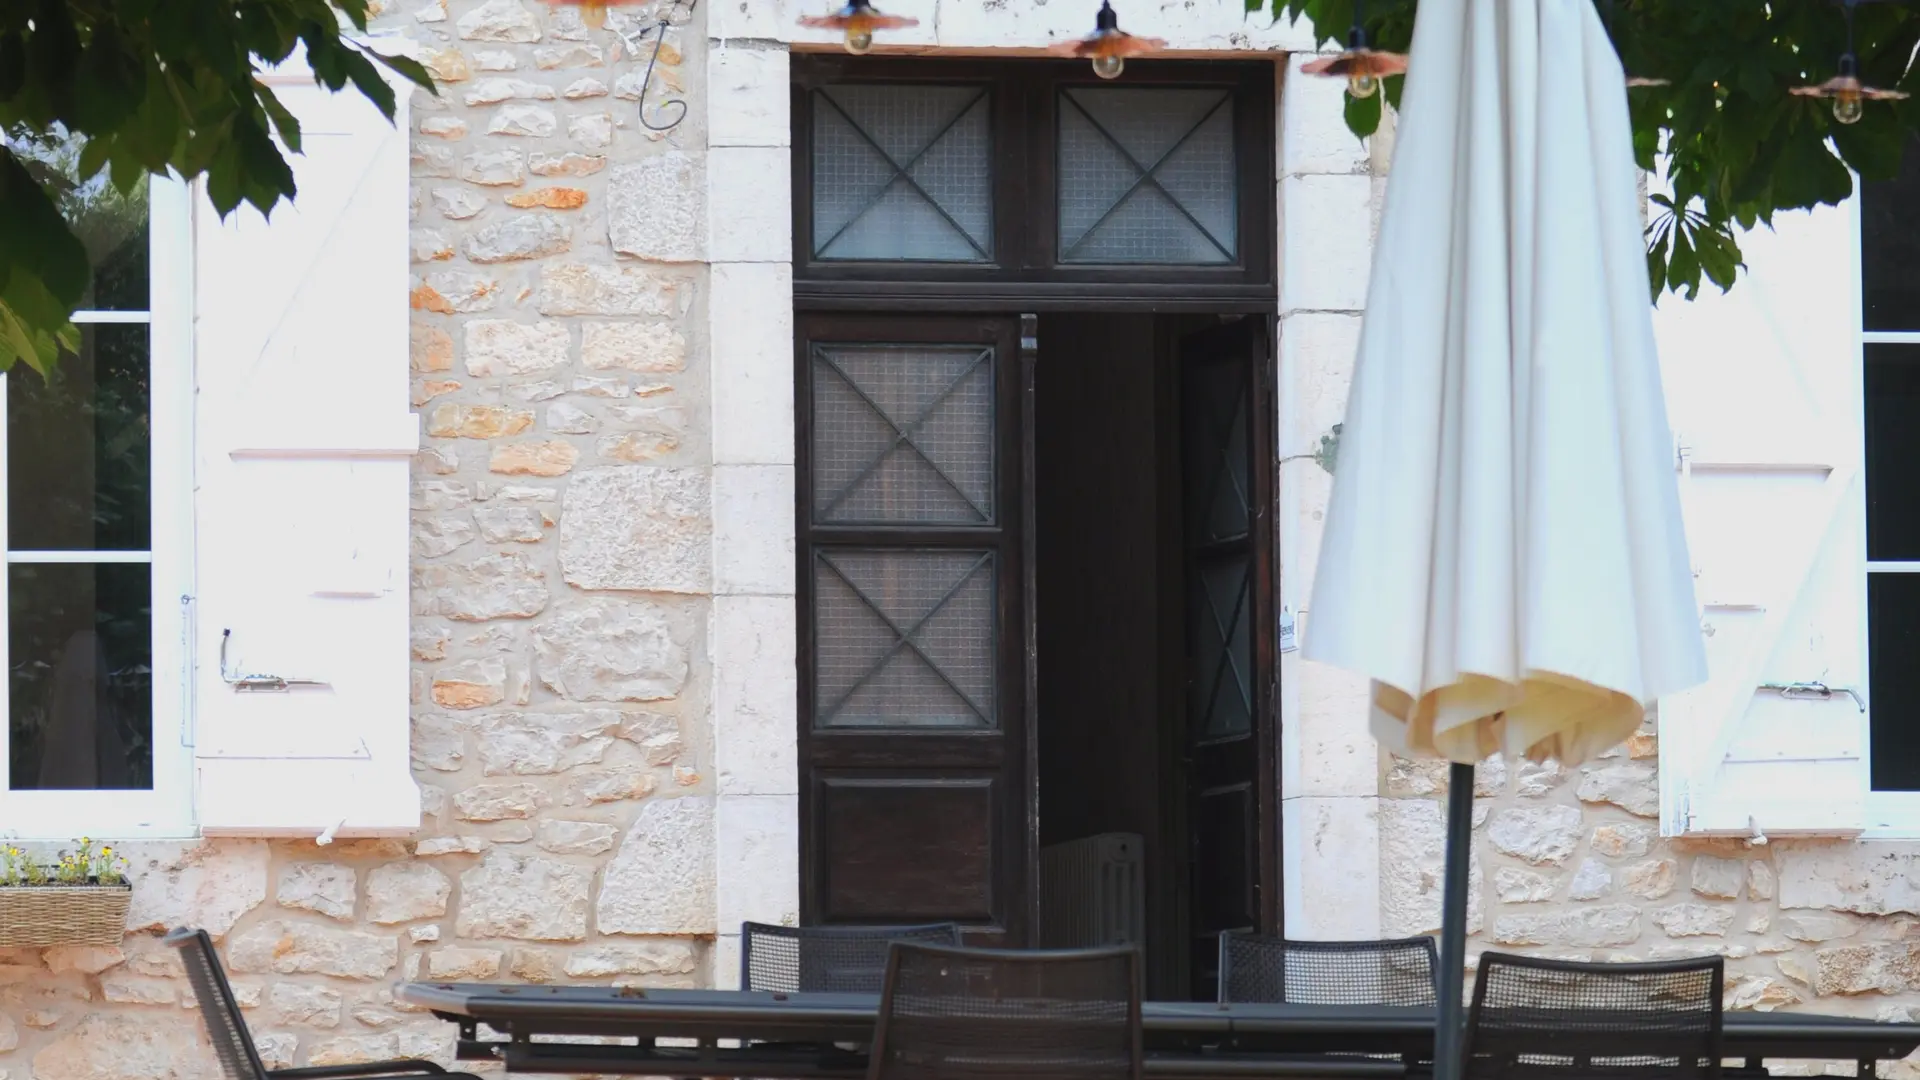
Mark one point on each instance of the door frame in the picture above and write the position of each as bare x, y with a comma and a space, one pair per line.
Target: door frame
928, 292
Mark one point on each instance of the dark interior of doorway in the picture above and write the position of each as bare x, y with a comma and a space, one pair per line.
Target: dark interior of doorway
1113, 610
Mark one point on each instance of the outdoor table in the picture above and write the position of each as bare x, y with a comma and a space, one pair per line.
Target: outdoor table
733, 1033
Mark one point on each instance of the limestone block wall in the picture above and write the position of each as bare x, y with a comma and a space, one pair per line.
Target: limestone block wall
570, 530
1570, 863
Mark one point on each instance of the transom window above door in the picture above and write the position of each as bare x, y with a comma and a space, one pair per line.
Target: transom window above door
902, 173
955, 179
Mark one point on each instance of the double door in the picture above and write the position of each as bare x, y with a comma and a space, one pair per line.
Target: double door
918, 656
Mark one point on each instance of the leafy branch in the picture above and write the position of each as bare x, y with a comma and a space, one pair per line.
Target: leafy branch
150, 87
1727, 143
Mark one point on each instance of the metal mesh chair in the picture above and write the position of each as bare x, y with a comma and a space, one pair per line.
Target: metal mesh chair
840, 959
233, 1045
950, 1014
1257, 967
1536, 1019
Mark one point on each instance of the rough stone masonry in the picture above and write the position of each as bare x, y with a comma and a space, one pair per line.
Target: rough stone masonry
561, 537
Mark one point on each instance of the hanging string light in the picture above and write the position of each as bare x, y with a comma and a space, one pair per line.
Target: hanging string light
1845, 90
858, 20
1363, 67
1109, 46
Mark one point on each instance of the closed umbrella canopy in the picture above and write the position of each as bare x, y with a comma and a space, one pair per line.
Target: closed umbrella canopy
1503, 554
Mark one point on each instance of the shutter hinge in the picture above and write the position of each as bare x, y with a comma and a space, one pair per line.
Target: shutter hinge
257, 683
1814, 691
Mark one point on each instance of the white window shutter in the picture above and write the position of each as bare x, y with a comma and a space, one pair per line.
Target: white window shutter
304, 444
1763, 388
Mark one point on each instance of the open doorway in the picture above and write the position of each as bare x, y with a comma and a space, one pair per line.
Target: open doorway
1150, 590
1034, 552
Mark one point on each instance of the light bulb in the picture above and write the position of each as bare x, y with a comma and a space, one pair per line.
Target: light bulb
1848, 108
859, 41
1109, 67
1362, 85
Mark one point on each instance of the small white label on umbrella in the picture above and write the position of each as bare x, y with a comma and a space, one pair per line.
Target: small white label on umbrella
1287, 643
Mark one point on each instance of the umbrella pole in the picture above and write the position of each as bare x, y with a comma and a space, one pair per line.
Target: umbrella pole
1450, 1030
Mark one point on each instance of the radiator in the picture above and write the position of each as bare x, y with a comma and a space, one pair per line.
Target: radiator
1093, 891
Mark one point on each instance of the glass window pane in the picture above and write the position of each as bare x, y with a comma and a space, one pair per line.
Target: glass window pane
111, 225
1893, 658
903, 434
80, 676
77, 447
902, 173
1892, 380
1219, 493
1219, 630
1890, 247
904, 638
1147, 176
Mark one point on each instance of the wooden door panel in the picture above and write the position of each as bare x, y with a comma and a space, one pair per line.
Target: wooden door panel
913, 667
908, 849
1226, 474
1225, 870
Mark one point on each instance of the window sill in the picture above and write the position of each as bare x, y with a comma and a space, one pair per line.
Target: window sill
1892, 815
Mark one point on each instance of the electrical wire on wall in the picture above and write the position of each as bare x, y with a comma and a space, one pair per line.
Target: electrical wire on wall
671, 15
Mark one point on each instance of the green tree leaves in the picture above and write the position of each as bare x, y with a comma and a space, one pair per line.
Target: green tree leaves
1728, 144
145, 87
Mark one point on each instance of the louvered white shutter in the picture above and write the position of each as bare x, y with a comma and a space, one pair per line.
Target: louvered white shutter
1764, 393
304, 439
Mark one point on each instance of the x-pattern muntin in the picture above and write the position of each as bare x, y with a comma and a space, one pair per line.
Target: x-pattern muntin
902, 434
1148, 175
904, 639
1219, 431
1227, 662
1222, 436
901, 172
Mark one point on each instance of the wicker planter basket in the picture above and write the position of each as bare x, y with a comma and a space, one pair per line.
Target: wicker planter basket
42, 916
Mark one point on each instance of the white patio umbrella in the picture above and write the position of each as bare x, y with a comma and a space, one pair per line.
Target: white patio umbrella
1503, 553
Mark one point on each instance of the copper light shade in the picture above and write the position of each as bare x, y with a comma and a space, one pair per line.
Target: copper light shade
1362, 67
858, 20
1845, 90
1109, 46
1848, 93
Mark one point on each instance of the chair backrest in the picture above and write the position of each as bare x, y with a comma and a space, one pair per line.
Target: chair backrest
1540, 1019
218, 1009
821, 959
1039, 1015
1257, 967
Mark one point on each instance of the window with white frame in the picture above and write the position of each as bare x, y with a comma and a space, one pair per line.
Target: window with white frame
96, 525
1890, 318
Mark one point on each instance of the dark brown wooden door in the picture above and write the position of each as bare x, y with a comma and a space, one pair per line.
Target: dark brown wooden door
1225, 390
916, 803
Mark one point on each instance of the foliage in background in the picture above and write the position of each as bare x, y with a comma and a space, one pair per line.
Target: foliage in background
147, 87
1737, 146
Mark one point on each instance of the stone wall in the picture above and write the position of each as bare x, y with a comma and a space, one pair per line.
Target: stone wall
563, 547
1570, 863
